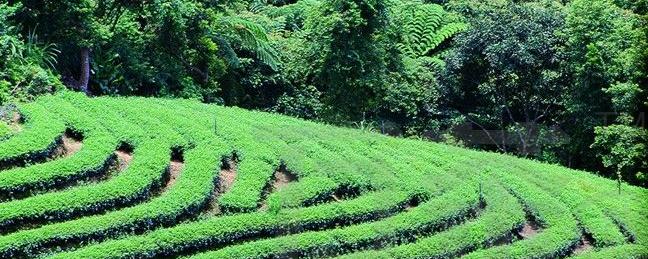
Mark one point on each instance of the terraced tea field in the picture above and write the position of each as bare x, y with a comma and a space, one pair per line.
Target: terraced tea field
138, 177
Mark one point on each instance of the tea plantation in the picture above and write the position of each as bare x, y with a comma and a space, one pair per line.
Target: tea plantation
154, 178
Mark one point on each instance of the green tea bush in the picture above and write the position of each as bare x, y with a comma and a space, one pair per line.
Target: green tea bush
350, 193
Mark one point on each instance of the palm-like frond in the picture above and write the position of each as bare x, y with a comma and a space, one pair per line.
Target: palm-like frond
252, 37
424, 28
41, 54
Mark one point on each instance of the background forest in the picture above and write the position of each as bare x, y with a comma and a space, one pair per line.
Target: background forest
558, 81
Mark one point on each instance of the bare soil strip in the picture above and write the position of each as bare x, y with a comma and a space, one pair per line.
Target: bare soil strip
174, 169
15, 124
123, 159
16, 118
280, 179
64, 146
529, 230
172, 173
70, 144
226, 179
584, 245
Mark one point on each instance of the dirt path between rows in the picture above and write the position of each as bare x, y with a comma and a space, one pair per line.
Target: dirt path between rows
226, 179
123, 159
529, 230
280, 179
174, 170
15, 124
584, 245
69, 145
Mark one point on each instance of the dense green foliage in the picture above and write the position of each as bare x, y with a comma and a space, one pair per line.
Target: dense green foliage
4, 129
608, 67
26, 62
505, 73
354, 194
558, 81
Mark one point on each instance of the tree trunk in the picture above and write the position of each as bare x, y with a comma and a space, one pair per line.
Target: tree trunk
85, 71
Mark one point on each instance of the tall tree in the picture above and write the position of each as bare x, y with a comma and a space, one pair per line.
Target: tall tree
605, 47
77, 23
504, 73
176, 47
27, 62
348, 56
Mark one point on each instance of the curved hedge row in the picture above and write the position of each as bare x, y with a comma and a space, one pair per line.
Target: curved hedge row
436, 215
354, 194
224, 230
560, 234
500, 218
135, 184
94, 157
41, 135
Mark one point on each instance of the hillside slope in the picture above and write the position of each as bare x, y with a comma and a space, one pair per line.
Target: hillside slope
166, 178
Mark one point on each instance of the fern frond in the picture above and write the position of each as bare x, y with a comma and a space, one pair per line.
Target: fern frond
254, 38
442, 34
424, 27
227, 52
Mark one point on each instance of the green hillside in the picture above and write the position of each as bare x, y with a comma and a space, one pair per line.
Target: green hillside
168, 178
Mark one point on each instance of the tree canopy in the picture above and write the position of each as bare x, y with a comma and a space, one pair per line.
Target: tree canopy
558, 81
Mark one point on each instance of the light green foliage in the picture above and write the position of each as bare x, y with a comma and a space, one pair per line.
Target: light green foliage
4, 129
538, 73
354, 193
624, 149
605, 46
624, 97
623, 146
40, 137
608, 39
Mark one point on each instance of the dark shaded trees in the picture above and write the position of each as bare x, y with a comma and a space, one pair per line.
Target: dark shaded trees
144, 47
504, 74
26, 63
559, 81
